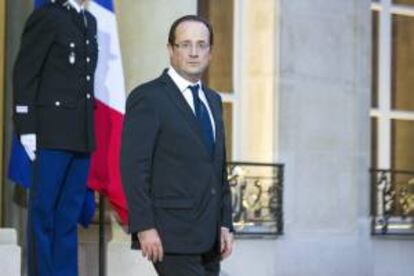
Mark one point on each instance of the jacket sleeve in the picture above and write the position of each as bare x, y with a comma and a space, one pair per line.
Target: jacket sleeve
37, 38
226, 208
141, 127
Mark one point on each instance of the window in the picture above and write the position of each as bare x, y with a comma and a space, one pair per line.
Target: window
243, 71
392, 107
392, 110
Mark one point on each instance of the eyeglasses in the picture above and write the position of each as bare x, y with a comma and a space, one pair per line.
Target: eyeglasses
187, 46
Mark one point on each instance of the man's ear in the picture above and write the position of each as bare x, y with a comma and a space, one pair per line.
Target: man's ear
210, 54
170, 49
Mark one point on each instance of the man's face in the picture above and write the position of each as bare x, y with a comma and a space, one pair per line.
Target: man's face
191, 53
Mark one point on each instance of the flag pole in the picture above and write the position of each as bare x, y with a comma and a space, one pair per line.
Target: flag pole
102, 245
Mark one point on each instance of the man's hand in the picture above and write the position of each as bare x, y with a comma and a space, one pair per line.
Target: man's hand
151, 245
29, 143
226, 242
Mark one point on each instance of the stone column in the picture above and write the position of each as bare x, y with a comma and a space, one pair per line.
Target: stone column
13, 197
143, 29
2, 92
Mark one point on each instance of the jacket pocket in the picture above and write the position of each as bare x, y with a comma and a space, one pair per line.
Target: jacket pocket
173, 203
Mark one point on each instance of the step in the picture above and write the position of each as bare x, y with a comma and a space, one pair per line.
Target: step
10, 253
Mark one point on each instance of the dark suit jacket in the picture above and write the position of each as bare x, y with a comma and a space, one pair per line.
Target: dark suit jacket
171, 181
53, 78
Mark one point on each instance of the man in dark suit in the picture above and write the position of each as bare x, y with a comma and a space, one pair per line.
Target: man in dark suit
53, 115
173, 161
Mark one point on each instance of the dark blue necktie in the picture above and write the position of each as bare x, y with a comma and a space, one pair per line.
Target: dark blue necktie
203, 119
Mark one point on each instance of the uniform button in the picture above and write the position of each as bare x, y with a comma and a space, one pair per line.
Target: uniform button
88, 96
88, 78
88, 59
87, 42
72, 45
213, 191
57, 103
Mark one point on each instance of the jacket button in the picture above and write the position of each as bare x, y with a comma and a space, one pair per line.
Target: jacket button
87, 42
88, 78
57, 103
213, 191
72, 45
88, 96
88, 59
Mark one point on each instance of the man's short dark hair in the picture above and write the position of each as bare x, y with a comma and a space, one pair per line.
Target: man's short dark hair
195, 18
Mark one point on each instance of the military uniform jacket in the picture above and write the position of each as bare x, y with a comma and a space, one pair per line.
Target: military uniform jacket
53, 78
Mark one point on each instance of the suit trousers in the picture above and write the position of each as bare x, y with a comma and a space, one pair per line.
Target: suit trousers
207, 264
55, 202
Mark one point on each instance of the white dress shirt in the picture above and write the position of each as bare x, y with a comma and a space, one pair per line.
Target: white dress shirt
183, 84
76, 5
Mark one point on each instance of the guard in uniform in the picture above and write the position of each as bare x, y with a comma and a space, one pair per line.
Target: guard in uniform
53, 115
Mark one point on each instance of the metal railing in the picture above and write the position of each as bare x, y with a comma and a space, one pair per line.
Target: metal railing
392, 202
257, 198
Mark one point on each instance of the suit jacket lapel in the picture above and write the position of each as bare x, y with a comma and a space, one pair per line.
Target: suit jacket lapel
178, 99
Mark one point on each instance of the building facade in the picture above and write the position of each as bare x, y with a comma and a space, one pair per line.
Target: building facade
323, 87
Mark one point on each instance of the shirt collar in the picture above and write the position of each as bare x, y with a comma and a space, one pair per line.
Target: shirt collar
76, 5
180, 81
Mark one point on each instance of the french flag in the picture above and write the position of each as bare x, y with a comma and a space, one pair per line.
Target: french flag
104, 175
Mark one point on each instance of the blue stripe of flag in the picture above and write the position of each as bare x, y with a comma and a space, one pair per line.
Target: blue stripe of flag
38, 3
107, 4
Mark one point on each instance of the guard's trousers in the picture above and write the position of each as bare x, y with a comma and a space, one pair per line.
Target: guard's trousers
55, 202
